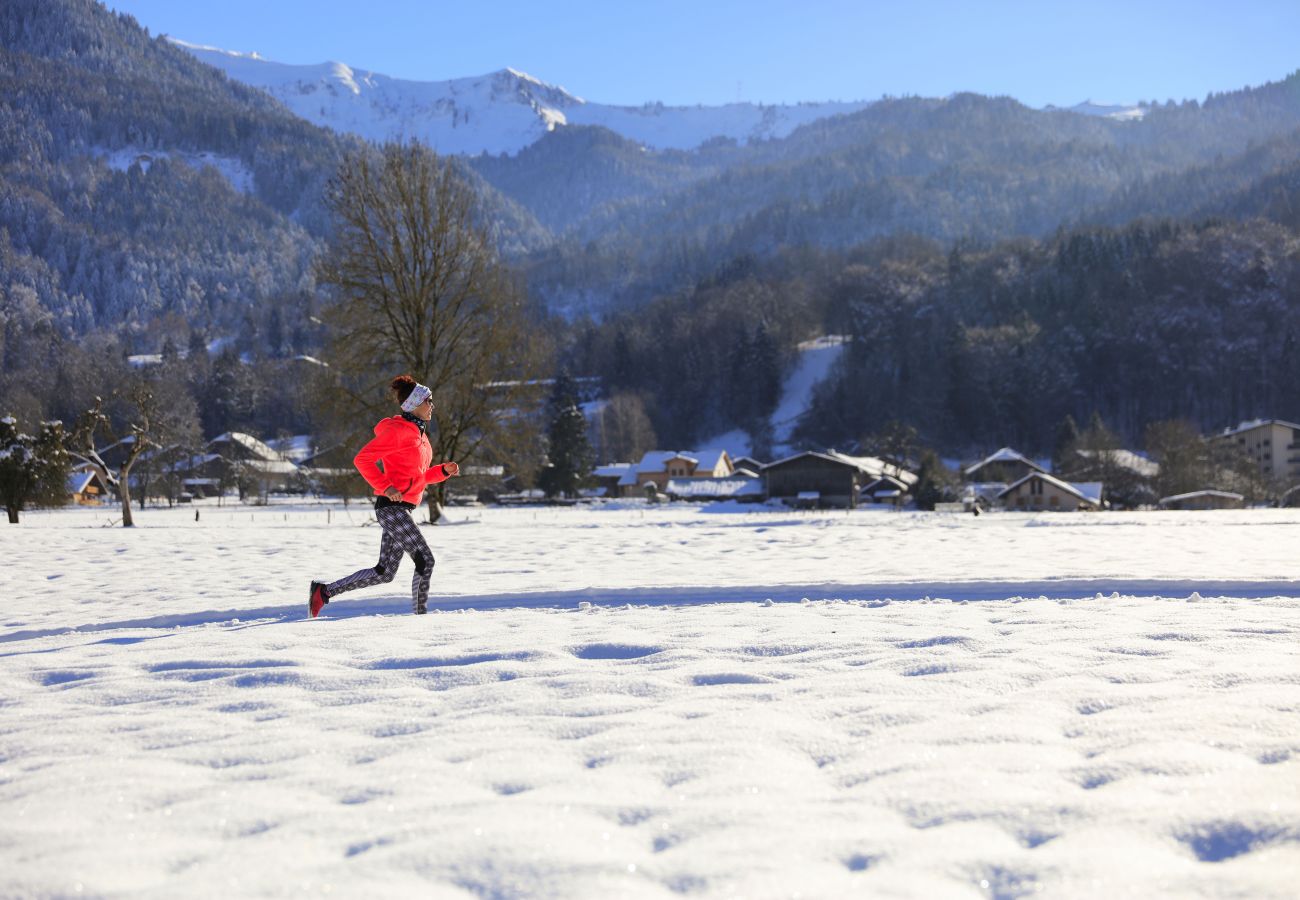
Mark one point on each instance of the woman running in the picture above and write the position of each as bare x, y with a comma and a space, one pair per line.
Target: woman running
396, 463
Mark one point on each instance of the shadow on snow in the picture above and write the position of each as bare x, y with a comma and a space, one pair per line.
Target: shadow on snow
971, 591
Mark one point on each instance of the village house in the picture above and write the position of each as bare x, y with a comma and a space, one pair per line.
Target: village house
657, 467
1040, 491
827, 479
1207, 499
248, 462
1005, 466
608, 479
1273, 444
87, 488
886, 489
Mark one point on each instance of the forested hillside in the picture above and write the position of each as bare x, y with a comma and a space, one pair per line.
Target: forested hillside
143, 192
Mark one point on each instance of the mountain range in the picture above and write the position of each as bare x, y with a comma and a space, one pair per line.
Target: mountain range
507, 110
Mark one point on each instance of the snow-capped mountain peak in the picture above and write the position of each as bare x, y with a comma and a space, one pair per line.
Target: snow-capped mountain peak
507, 110
500, 112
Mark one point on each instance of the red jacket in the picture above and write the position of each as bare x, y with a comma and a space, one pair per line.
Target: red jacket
406, 454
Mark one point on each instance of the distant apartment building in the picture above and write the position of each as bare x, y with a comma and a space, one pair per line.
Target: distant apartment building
1272, 443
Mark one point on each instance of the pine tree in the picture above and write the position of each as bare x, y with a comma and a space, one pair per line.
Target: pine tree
935, 482
33, 469
569, 455
1067, 442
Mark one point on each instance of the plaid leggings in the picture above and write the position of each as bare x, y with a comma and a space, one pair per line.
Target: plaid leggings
401, 535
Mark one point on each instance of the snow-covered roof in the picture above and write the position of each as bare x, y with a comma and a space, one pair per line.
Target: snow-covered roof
1257, 423
1127, 459
248, 442
887, 482
709, 459
613, 470
654, 460
874, 465
714, 487
78, 481
871, 466
1177, 498
1006, 454
657, 460
1084, 490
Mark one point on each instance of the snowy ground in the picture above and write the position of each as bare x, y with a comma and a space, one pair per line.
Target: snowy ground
606, 704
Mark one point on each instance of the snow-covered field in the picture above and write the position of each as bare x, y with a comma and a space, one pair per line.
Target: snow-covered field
654, 702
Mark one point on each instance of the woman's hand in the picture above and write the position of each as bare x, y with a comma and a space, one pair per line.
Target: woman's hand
393, 494
451, 468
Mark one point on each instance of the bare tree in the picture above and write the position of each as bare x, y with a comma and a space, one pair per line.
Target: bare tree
621, 430
157, 415
420, 289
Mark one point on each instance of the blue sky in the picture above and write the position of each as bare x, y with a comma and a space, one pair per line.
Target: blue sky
717, 51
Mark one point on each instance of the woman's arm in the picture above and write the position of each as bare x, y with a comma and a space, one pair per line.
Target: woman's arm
366, 461
442, 472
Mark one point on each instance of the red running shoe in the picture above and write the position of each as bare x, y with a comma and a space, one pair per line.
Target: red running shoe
317, 599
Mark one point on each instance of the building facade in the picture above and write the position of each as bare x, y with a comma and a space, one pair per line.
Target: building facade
1273, 444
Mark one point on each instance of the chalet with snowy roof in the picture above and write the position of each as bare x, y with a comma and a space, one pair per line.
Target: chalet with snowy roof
659, 466
608, 479
1206, 499
1005, 466
245, 459
1039, 491
830, 479
1273, 444
885, 489
87, 487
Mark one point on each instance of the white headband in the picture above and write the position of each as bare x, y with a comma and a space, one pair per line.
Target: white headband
419, 394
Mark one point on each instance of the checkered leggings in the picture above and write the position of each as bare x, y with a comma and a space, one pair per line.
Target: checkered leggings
401, 535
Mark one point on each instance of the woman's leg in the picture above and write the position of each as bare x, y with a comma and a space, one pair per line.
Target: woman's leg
390, 556
409, 539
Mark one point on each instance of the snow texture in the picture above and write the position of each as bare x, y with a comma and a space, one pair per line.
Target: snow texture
654, 701
239, 176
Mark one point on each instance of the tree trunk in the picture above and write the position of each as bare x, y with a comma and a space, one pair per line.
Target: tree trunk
125, 491
433, 502
13, 515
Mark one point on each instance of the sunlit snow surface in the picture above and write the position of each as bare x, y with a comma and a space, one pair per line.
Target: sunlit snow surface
605, 704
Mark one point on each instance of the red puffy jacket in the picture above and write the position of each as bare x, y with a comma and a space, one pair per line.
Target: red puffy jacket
406, 454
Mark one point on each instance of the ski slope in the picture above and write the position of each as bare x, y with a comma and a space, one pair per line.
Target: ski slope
653, 702
814, 363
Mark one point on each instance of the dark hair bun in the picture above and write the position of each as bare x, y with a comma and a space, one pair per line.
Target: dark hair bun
401, 387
